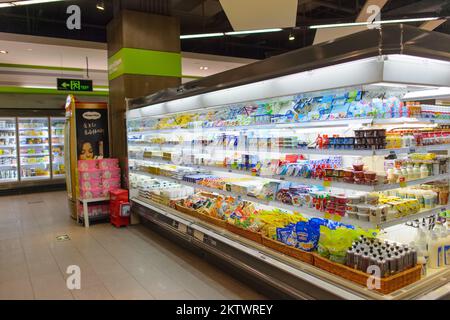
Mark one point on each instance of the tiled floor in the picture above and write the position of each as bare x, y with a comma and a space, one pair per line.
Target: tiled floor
131, 263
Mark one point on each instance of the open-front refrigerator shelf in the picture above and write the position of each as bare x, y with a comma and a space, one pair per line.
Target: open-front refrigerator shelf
332, 166
163, 157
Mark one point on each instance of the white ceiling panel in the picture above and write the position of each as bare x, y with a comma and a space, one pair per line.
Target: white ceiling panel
260, 14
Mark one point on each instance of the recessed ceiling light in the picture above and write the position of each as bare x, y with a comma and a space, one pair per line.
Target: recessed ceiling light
101, 5
354, 24
202, 35
29, 49
3, 52
291, 37
232, 33
204, 68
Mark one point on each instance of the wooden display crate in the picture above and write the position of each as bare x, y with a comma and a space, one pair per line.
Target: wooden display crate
251, 235
215, 221
388, 284
288, 250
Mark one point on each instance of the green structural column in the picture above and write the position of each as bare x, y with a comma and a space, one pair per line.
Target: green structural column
143, 58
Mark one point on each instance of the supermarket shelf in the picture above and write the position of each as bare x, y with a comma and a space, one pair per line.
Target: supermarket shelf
307, 211
385, 187
34, 128
34, 137
8, 156
334, 184
7, 146
57, 144
436, 147
421, 214
35, 178
97, 218
220, 241
8, 165
59, 176
301, 125
295, 125
8, 180
33, 164
409, 120
57, 136
7, 129
336, 152
304, 210
361, 187
34, 145
34, 155
94, 200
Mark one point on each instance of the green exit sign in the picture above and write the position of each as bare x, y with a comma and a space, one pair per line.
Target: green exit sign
74, 85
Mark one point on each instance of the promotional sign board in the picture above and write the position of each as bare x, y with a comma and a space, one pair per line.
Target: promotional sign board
92, 133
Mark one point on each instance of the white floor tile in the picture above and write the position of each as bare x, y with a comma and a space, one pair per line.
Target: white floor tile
131, 263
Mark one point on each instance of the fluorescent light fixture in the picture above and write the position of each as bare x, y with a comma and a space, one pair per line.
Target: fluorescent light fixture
3, 52
100, 89
355, 24
443, 91
402, 85
25, 3
233, 33
388, 84
100, 5
202, 35
37, 87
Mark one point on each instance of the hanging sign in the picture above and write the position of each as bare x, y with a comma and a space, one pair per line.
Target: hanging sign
77, 85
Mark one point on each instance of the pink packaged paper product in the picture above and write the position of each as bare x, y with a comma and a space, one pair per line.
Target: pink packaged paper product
89, 174
89, 184
111, 173
92, 194
108, 163
84, 165
113, 183
94, 210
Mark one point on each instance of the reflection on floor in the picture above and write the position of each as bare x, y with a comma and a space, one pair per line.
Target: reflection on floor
127, 263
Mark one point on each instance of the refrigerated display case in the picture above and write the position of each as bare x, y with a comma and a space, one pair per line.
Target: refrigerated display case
57, 144
25, 157
304, 172
8, 150
34, 146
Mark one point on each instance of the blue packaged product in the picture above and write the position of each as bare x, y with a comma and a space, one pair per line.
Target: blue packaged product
286, 235
308, 234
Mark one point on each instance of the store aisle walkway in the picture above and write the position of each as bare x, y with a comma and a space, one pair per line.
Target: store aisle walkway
131, 263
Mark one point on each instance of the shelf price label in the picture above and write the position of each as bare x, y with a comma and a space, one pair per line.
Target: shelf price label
327, 182
182, 228
402, 182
